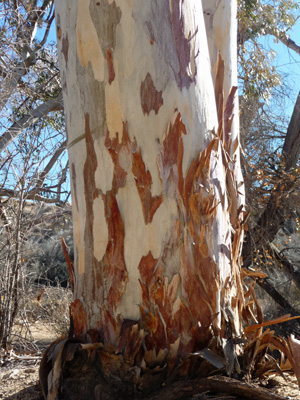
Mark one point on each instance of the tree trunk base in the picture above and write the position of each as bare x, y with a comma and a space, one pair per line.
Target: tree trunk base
76, 372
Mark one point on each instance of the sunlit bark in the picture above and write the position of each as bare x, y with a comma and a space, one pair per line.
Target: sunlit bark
155, 172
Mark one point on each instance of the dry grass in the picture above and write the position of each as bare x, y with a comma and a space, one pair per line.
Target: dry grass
41, 306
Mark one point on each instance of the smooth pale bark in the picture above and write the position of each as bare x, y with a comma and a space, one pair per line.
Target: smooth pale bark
155, 176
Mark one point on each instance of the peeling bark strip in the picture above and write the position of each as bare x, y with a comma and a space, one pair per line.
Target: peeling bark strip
143, 182
113, 273
172, 153
79, 318
166, 316
151, 99
108, 276
152, 199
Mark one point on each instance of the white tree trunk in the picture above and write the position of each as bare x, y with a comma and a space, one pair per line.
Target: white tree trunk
154, 181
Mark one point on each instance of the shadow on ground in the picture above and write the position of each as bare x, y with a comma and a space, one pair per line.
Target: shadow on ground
33, 392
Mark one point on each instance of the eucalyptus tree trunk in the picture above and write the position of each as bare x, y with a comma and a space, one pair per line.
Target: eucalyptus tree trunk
152, 127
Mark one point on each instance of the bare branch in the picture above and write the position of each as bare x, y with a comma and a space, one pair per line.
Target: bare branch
288, 42
47, 30
217, 384
48, 167
16, 194
9, 84
38, 113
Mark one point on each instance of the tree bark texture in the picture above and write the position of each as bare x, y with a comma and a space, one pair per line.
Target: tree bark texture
157, 195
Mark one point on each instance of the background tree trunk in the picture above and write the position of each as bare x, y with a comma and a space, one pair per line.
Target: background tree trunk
155, 170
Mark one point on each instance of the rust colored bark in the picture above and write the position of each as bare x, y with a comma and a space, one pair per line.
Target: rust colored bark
110, 65
143, 183
151, 99
79, 318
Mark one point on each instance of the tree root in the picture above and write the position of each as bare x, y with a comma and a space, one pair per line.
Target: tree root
184, 389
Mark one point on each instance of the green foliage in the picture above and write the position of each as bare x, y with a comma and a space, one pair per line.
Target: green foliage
257, 73
266, 17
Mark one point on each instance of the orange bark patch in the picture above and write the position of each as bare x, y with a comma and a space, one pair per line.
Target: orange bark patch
170, 158
79, 318
198, 302
110, 65
143, 179
228, 116
198, 269
163, 315
113, 274
219, 82
143, 182
106, 278
151, 99
134, 342
115, 149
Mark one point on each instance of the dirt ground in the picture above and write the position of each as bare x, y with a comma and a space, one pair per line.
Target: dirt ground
19, 372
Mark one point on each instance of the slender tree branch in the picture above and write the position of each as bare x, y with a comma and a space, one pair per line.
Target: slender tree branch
23, 123
9, 84
288, 42
287, 265
30, 196
47, 30
49, 166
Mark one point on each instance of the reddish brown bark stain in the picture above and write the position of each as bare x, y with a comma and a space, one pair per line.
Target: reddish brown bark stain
110, 65
143, 182
196, 204
151, 99
58, 28
115, 148
219, 82
114, 268
142, 176
108, 276
90, 193
58, 32
228, 117
133, 344
90, 167
65, 48
79, 317
164, 316
172, 152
